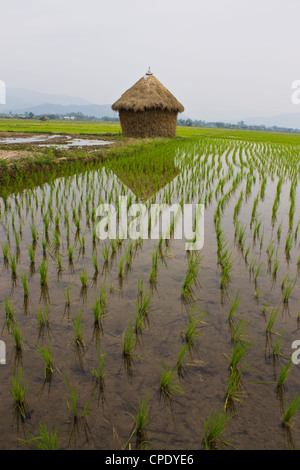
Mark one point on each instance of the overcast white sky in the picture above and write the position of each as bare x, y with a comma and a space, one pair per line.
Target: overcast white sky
222, 59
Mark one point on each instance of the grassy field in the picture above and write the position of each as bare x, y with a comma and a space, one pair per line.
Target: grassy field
101, 128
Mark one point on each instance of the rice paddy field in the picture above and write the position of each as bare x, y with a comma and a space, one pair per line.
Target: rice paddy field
139, 343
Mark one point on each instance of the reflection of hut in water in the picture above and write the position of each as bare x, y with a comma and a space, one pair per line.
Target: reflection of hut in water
148, 109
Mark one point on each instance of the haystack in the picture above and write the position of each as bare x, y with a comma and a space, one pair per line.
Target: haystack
148, 109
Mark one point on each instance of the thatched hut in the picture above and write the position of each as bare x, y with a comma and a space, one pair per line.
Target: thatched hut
148, 109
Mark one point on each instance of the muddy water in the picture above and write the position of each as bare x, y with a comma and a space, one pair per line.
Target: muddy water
56, 140
176, 423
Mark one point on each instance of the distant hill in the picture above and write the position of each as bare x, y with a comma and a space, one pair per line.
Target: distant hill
21, 101
97, 110
289, 120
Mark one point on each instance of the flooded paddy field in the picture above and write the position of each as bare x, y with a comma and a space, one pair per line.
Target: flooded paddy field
136, 343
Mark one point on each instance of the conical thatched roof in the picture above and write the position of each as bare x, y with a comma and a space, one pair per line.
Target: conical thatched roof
148, 93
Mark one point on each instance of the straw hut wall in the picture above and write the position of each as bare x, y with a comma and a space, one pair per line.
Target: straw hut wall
148, 109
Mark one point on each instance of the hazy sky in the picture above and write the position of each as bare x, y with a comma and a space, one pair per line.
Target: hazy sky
222, 59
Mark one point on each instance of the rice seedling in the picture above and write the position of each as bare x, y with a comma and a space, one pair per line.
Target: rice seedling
98, 373
71, 253
72, 404
239, 350
233, 390
43, 317
67, 296
142, 419
213, 427
25, 284
191, 332
105, 252
18, 393
291, 410
15, 335
272, 320
191, 275
180, 357
128, 341
78, 329
277, 347
95, 263
288, 290
284, 372
31, 253
46, 354
121, 268
45, 440
43, 268
13, 265
9, 311
167, 387
84, 277
234, 305
5, 251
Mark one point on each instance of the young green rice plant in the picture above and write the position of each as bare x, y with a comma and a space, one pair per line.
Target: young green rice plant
43, 267
288, 290
142, 419
277, 347
67, 296
275, 268
192, 332
71, 253
84, 277
291, 410
46, 354
105, 252
43, 317
95, 263
128, 341
98, 310
31, 253
15, 335
72, 404
9, 311
191, 275
272, 320
180, 357
167, 387
45, 440
234, 305
213, 427
59, 263
98, 373
239, 350
13, 265
5, 251
284, 372
121, 268
238, 332
288, 245
18, 393
234, 385
34, 234
78, 329
25, 284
